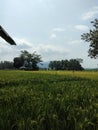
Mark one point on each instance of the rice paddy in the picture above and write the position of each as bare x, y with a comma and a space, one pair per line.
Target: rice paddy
48, 100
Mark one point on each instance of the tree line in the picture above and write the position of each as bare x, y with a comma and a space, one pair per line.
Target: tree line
26, 61
29, 61
6, 65
26, 64
72, 64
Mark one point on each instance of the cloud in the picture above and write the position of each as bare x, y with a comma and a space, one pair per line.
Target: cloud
8, 52
81, 27
50, 52
53, 35
55, 31
58, 30
47, 51
23, 44
75, 42
91, 13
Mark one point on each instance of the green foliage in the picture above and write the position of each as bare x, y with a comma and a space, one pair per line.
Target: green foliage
92, 37
18, 62
43, 101
6, 65
72, 64
27, 60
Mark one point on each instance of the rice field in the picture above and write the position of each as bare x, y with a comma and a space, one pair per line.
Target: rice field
48, 100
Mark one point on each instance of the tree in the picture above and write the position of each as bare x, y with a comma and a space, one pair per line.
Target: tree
92, 38
17, 62
6, 65
72, 64
27, 60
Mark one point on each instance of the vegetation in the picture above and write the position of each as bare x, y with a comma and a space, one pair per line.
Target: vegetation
27, 60
6, 65
48, 100
92, 37
72, 64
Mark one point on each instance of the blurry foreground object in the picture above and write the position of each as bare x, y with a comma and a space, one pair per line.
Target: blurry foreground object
6, 36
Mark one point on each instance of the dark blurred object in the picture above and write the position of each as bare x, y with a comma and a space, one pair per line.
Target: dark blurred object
6, 37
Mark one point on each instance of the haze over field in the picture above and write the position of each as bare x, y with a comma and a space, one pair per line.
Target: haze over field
53, 28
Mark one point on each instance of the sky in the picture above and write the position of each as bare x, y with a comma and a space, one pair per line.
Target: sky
52, 28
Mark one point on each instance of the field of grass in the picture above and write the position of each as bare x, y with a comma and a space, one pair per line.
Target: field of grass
48, 100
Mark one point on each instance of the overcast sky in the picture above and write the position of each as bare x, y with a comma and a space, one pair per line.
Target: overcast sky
52, 28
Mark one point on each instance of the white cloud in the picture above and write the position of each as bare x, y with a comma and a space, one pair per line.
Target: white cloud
90, 14
50, 52
82, 27
58, 30
54, 32
74, 42
47, 51
6, 51
23, 44
53, 35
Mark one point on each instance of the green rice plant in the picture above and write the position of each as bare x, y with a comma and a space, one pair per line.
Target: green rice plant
48, 101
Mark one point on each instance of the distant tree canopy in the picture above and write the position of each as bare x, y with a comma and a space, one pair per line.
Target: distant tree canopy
72, 64
27, 60
92, 38
6, 65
